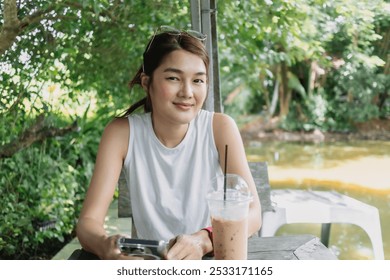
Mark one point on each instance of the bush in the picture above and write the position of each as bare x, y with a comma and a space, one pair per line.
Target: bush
42, 191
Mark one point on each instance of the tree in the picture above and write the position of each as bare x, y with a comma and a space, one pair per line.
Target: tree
81, 46
64, 71
288, 50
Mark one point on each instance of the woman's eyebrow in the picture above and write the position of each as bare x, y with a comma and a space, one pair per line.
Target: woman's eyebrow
178, 71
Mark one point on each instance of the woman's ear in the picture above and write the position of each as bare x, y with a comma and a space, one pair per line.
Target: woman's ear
145, 81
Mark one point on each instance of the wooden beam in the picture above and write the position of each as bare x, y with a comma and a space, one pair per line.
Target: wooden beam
203, 19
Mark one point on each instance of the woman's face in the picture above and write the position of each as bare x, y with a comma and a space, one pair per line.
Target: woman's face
179, 88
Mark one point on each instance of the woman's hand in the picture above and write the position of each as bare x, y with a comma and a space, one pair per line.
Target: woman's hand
112, 252
189, 247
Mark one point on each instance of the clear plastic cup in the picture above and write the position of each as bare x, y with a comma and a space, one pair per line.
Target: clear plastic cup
229, 208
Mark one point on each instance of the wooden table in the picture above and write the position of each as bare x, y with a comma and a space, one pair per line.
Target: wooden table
289, 247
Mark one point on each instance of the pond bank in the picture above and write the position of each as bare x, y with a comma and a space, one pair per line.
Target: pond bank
353, 164
260, 130
361, 163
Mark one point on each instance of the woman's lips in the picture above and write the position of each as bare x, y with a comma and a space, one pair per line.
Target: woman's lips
183, 106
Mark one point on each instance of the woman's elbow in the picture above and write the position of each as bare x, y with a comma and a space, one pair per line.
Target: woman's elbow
255, 220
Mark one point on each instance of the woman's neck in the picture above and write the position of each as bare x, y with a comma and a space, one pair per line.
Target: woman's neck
169, 135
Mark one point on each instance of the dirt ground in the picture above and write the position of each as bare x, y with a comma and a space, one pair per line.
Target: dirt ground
259, 129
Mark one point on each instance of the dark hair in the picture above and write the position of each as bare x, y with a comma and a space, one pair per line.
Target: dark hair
158, 47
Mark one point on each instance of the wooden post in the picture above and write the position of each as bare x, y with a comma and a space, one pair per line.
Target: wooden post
325, 234
203, 19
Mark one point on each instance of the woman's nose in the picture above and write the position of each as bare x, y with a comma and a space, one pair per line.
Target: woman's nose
186, 90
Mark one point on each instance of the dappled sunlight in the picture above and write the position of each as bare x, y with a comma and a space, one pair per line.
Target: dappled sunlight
61, 100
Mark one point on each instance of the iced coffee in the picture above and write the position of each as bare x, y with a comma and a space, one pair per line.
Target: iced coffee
229, 206
230, 239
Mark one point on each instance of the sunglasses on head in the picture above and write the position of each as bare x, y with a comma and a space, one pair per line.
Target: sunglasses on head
176, 32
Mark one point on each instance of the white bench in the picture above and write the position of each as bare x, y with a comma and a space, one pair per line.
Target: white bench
325, 207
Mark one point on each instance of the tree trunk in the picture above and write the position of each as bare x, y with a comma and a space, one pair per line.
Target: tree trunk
12, 26
10, 29
284, 93
274, 101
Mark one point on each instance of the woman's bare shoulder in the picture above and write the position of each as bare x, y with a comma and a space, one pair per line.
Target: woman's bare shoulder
116, 135
222, 121
118, 125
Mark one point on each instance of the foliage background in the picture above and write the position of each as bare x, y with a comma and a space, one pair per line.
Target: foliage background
65, 66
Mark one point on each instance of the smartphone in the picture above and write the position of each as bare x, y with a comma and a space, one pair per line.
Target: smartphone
147, 249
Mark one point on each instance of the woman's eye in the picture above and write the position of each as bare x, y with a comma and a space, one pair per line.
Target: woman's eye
173, 78
198, 81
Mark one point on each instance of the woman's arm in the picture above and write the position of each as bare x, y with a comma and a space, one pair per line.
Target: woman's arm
109, 161
226, 133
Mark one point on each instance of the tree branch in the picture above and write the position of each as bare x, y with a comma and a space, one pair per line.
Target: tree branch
37, 132
35, 17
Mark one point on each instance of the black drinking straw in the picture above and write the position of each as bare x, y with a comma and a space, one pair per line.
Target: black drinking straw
224, 178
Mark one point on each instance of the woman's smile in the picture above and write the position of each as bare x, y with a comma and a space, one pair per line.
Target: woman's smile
185, 106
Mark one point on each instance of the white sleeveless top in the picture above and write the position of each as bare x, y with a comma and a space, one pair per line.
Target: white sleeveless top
168, 186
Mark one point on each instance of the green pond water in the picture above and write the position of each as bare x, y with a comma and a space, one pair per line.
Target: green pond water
358, 169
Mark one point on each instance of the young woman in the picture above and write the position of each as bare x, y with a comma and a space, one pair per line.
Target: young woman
170, 153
